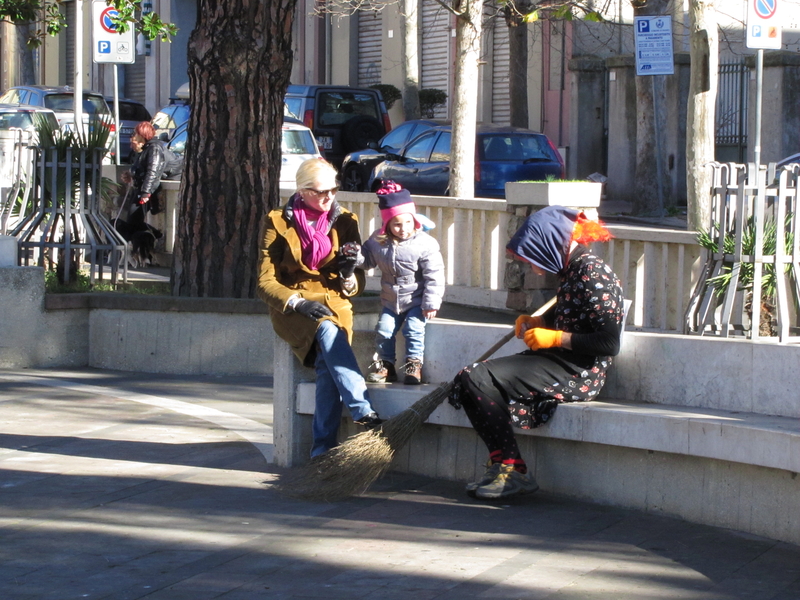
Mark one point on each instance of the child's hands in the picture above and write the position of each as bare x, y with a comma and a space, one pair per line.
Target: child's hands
525, 322
429, 314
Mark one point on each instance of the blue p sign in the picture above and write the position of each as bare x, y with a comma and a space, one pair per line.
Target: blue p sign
644, 26
104, 47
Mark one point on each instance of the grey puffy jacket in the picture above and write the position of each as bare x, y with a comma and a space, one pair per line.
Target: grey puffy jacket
412, 271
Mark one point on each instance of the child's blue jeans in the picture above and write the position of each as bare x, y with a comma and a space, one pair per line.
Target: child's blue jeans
412, 323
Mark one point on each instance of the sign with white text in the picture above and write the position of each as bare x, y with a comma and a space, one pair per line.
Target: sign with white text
653, 36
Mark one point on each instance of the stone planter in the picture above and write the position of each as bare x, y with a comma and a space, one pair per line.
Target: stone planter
583, 195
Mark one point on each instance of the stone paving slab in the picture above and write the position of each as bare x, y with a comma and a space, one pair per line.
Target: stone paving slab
128, 486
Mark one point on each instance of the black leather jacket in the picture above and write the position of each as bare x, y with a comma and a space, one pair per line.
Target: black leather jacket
149, 167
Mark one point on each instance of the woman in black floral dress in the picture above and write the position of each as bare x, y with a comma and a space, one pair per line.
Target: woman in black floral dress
570, 349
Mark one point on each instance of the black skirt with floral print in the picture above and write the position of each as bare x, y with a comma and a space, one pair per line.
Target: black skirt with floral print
533, 383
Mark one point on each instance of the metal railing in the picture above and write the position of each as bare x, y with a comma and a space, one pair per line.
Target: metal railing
749, 286
658, 267
62, 216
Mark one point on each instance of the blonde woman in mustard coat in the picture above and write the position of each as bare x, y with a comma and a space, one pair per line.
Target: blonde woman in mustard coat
307, 275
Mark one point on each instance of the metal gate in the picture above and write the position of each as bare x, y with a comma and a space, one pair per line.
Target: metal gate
369, 47
731, 136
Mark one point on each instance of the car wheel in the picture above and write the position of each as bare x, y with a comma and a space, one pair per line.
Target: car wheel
359, 131
353, 179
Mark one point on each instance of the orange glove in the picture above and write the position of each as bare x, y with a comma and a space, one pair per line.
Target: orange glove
525, 322
538, 338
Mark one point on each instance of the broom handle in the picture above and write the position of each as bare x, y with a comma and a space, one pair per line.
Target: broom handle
510, 335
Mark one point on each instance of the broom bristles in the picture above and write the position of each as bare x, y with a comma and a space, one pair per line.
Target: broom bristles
352, 467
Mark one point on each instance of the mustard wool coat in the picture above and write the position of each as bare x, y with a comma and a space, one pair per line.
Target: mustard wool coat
282, 274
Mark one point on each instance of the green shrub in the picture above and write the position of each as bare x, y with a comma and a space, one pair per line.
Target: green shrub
390, 93
429, 100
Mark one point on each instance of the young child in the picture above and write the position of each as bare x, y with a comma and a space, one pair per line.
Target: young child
412, 283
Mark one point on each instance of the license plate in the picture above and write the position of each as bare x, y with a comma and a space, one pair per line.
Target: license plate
126, 130
326, 142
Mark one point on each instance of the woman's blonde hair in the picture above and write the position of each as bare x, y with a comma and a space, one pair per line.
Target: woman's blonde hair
312, 170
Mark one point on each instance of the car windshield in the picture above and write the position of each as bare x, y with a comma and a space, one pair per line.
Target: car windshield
93, 105
336, 108
297, 141
171, 116
131, 111
292, 107
509, 146
20, 120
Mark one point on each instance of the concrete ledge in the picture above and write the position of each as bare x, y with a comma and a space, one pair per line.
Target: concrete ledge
746, 438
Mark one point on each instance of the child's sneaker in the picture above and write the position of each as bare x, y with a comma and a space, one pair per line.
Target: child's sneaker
413, 369
384, 372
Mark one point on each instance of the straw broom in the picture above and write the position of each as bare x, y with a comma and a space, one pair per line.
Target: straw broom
351, 467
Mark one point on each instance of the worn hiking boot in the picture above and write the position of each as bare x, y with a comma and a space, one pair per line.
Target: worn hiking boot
383, 372
508, 482
492, 469
413, 370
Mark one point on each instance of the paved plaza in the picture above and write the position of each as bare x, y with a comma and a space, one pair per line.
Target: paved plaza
127, 485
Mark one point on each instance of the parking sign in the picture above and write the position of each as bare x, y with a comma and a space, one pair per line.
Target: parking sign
653, 37
110, 46
763, 27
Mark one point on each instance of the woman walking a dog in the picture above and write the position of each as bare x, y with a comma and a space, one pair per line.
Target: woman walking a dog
144, 181
307, 275
569, 352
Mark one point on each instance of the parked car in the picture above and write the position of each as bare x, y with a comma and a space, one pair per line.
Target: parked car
343, 119
169, 118
23, 116
61, 101
297, 146
131, 113
502, 154
357, 166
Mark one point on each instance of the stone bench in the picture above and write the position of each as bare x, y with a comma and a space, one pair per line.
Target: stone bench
673, 433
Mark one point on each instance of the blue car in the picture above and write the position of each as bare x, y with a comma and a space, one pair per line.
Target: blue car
358, 165
502, 154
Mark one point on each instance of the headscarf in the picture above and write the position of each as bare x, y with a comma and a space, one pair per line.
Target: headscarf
314, 241
545, 237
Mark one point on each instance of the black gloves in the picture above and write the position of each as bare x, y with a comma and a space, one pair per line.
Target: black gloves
347, 259
312, 309
346, 265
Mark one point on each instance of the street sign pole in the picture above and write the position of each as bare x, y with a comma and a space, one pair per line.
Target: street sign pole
654, 56
78, 92
759, 91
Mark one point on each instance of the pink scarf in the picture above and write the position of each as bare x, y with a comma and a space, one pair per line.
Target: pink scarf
314, 241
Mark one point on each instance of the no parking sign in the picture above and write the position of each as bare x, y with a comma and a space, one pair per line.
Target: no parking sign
763, 27
108, 45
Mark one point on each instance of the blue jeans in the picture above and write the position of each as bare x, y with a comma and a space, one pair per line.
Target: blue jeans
413, 324
339, 380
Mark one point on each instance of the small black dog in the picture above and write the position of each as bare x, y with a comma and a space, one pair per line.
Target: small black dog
141, 240
143, 244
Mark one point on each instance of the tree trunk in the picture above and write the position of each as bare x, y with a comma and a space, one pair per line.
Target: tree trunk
700, 122
653, 188
410, 60
240, 58
518, 62
465, 98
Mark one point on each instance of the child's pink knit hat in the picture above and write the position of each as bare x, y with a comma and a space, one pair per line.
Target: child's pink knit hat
393, 200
